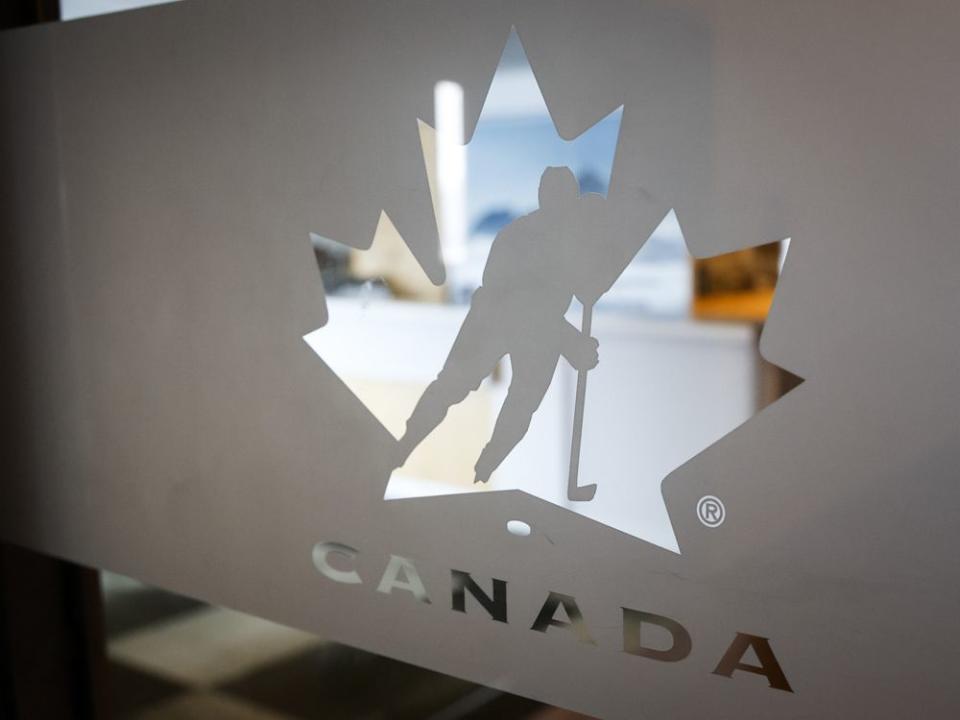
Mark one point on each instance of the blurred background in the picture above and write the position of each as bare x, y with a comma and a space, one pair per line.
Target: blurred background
172, 658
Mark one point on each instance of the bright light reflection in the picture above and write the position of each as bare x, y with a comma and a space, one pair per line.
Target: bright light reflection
451, 171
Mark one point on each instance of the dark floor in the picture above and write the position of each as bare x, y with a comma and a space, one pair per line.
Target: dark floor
176, 659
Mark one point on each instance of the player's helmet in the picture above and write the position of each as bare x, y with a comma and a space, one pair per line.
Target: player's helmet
558, 187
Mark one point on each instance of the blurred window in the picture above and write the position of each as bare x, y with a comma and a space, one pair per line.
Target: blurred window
73, 9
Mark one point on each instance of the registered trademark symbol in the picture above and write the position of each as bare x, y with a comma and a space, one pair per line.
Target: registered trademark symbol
711, 511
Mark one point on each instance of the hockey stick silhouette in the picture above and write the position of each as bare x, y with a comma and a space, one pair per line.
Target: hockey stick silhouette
575, 491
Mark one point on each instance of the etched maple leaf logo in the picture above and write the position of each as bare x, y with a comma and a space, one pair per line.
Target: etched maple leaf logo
494, 397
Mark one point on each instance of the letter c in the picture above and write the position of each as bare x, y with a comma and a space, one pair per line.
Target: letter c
320, 553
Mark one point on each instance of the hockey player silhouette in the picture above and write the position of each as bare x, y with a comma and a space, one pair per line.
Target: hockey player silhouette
535, 268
